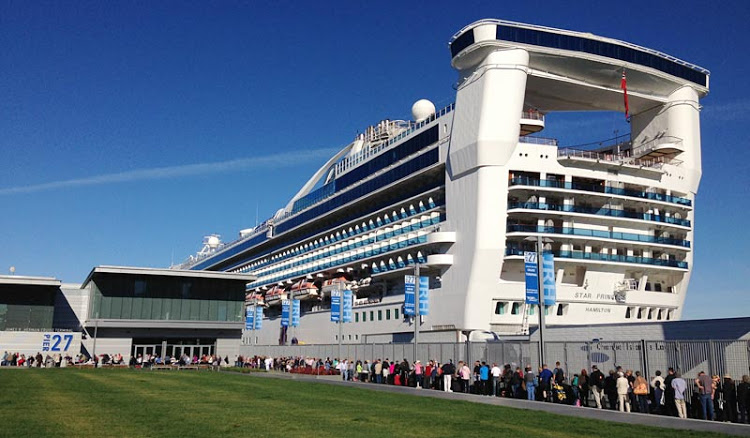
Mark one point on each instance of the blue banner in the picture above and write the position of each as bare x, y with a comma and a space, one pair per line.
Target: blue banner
249, 318
285, 313
258, 317
335, 305
532, 277
409, 290
548, 278
295, 313
424, 290
348, 305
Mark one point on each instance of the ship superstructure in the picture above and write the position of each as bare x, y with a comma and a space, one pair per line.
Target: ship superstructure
463, 191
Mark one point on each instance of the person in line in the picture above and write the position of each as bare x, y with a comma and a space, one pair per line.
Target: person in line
597, 385
484, 379
729, 393
743, 398
610, 389
448, 371
679, 392
496, 374
641, 391
623, 387
706, 390
418, 374
465, 375
583, 388
530, 381
670, 406
545, 379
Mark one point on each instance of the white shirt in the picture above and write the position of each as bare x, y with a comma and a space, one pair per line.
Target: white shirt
496, 371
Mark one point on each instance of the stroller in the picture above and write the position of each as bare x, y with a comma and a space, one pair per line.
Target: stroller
563, 393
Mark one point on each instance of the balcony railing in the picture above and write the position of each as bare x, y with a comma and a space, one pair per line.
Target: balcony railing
538, 140
620, 159
524, 181
602, 211
597, 233
579, 255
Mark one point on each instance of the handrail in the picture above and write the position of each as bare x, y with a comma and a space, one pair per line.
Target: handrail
622, 159
578, 255
633, 237
603, 211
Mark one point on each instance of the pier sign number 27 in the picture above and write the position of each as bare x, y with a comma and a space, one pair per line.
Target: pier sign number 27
56, 342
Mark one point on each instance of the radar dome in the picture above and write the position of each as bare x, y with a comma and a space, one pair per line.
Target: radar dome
213, 241
422, 109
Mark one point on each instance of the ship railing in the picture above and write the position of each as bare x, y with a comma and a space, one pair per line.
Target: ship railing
654, 144
538, 140
624, 159
532, 115
372, 150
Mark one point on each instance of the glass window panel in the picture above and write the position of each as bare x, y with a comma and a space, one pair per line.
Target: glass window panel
222, 309
146, 308
195, 309
106, 307
156, 304
205, 310
137, 306
127, 308
116, 308
184, 310
166, 307
213, 310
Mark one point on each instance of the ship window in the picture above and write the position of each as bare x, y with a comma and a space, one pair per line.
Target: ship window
531, 310
380, 315
388, 314
628, 312
356, 316
650, 314
648, 286
515, 308
372, 315
657, 287
658, 315
395, 313
640, 313
669, 315
546, 310
499, 308
364, 316
562, 309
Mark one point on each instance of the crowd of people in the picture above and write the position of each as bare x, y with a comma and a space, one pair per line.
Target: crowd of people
38, 360
703, 397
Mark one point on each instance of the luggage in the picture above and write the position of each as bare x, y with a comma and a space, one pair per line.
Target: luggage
397, 380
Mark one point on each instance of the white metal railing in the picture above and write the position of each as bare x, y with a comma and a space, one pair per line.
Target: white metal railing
538, 140
654, 163
652, 145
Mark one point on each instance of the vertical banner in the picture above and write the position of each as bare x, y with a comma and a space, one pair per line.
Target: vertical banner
295, 313
258, 317
548, 278
409, 290
532, 277
335, 305
424, 299
249, 318
348, 304
285, 313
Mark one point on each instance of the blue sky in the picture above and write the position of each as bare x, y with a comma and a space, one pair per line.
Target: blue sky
129, 130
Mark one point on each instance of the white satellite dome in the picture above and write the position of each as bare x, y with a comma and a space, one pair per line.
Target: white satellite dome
213, 241
422, 109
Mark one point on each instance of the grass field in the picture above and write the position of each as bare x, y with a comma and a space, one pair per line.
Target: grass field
130, 403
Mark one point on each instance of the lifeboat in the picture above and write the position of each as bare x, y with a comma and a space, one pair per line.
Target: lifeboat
254, 298
275, 295
303, 290
336, 283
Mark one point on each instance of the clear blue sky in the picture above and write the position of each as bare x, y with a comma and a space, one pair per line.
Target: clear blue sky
129, 130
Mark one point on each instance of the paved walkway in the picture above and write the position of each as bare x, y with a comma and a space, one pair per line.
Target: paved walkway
573, 411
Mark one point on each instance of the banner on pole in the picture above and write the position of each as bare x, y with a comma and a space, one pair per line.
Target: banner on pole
548, 278
348, 304
532, 277
249, 318
410, 285
335, 305
424, 299
295, 313
285, 313
258, 318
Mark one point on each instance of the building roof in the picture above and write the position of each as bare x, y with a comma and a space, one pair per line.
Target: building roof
21, 280
162, 272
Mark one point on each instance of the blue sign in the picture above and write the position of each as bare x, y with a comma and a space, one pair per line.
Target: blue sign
56, 342
258, 318
347, 306
335, 305
548, 278
249, 318
295, 313
532, 277
285, 313
410, 285
424, 290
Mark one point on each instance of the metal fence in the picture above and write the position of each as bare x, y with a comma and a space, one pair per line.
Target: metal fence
689, 357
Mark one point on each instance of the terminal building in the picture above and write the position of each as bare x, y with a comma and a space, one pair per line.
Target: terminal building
125, 310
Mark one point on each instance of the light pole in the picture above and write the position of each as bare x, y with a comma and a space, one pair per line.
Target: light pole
540, 241
416, 310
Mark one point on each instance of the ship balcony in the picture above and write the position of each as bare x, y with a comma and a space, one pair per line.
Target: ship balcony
613, 161
583, 233
600, 258
604, 190
531, 122
614, 213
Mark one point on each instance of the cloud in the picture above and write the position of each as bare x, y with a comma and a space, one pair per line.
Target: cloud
727, 111
287, 159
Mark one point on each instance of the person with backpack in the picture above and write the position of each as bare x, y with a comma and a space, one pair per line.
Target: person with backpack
641, 391
559, 373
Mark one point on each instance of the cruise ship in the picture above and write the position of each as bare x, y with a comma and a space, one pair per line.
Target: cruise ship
463, 191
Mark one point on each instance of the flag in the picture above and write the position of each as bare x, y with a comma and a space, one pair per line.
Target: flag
624, 86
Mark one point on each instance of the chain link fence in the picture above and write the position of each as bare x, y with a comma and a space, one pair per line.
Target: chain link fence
689, 357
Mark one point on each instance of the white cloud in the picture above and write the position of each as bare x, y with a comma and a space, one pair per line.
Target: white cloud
275, 161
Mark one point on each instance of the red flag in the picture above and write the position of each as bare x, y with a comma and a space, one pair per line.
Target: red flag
624, 86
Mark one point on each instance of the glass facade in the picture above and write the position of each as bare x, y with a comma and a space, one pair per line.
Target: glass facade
116, 296
26, 307
579, 255
597, 233
603, 211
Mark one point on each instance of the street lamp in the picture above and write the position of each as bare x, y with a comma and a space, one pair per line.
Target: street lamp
540, 241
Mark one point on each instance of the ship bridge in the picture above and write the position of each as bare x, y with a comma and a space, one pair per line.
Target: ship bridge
575, 71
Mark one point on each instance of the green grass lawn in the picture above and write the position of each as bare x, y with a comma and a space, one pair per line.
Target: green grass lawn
130, 403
